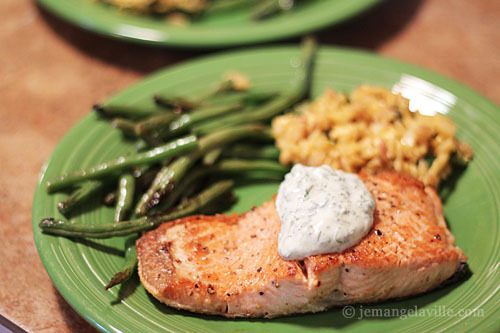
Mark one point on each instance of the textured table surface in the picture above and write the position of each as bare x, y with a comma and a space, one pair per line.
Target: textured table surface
51, 73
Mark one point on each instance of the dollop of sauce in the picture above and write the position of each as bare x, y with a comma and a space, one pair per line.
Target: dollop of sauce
322, 211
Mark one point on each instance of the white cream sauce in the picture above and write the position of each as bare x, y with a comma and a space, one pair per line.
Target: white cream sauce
322, 211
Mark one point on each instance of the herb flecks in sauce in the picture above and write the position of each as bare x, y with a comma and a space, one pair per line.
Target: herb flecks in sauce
322, 211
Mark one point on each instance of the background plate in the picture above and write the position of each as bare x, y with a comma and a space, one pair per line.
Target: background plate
215, 30
80, 269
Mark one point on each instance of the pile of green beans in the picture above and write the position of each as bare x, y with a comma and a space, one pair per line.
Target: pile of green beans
185, 145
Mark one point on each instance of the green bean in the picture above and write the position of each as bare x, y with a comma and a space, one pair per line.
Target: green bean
247, 98
154, 123
163, 183
144, 175
239, 165
225, 5
271, 7
125, 111
174, 102
79, 196
126, 126
262, 114
252, 152
129, 265
173, 148
176, 193
107, 230
184, 122
214, 125
170, 175
225, 85
299, 90
212, 156
257, 98
266, 136
126, 192
222, 167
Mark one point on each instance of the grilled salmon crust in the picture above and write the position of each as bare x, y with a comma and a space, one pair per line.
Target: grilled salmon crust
229, 265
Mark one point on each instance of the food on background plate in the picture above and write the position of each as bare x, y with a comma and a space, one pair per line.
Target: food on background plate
181, 10
372, 129
230, 265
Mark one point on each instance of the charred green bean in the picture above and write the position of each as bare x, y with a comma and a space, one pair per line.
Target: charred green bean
125, 199
79, 196
125, 111
170, 175
129, 265
228, 166
108, 230
173, 148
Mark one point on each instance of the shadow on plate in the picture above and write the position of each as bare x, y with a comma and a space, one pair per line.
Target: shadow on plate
448, 185
127, 289
97, 246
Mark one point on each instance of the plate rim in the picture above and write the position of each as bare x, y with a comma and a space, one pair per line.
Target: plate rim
442, 81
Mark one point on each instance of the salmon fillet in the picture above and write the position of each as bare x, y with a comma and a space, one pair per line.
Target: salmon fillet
229, 265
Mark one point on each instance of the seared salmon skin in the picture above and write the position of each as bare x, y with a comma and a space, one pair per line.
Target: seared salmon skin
229, 265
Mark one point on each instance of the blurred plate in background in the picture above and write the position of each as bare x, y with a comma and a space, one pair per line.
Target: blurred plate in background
220, 29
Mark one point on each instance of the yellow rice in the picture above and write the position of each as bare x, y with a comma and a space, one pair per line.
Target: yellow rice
372, 129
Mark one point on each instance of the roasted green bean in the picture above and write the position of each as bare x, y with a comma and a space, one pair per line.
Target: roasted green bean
126, 126
125, 199
299, 91
154, 123
228, 166
184, 122
108, 230
252, 152
170, 175
125, 111
231, 82
79, 196
173, 148
129, 265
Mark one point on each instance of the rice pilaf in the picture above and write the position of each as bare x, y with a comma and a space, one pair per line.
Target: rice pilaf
372, 129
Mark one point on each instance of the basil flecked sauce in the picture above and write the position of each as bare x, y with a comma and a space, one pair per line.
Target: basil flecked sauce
322, 210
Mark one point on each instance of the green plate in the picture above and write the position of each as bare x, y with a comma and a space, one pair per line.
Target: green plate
215, 30
80, 269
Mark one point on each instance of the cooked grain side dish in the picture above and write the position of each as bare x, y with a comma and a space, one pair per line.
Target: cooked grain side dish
371, 129
160, 6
